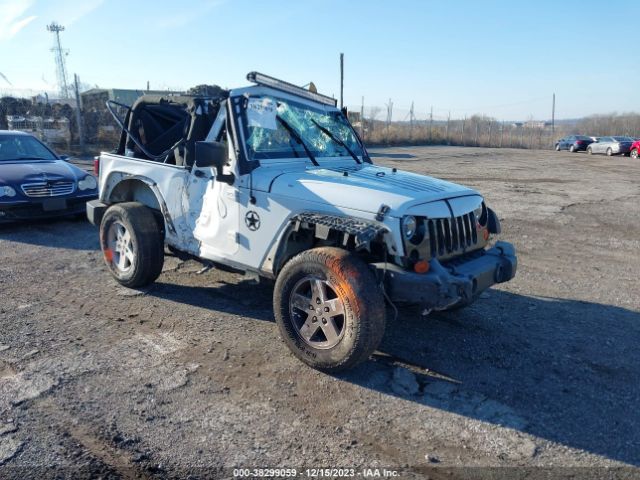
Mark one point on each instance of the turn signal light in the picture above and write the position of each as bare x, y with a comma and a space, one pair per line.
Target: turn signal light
421, 266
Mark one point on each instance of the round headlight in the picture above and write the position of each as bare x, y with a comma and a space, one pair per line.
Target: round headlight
480, 214
7, 191
88, 183
409, 226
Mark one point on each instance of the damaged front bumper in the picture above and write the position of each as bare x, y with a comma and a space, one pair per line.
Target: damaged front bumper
454, 283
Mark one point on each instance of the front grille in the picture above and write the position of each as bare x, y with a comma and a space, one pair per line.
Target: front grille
452, 235
48, 189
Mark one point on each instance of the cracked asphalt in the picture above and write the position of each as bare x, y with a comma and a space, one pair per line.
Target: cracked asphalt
189, 377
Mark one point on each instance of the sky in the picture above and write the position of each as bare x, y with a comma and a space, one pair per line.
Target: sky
504, 59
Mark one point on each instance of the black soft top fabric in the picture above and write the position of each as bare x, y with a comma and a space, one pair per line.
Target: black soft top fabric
160, 122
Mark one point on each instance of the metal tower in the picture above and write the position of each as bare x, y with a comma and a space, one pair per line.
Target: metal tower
60, 53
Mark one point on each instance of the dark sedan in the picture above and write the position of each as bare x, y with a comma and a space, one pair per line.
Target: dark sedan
37, 183
574, 143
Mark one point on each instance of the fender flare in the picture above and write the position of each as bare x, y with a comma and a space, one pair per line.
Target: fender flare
363, 231
117, 178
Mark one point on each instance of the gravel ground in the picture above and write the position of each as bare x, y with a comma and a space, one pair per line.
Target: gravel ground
189, 376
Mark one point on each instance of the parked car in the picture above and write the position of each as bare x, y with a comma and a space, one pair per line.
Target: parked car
273, 180
635, 148
574, 143
35, 182
611, 146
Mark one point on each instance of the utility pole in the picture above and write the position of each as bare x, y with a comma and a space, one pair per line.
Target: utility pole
76, 81
490, 128
341, 80
411, 121
362, 119
553, 120
389, 116
448, 122
501, 133
431, 125
59, 53
475, 142
462, 134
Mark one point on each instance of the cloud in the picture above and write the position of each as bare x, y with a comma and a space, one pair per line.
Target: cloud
12, 17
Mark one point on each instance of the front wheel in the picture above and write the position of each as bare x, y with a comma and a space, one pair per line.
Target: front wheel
329, 308
609, 152
557, 147
634, 153
589, 151
132, 244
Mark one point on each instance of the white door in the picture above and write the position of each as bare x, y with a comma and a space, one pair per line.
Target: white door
213, 205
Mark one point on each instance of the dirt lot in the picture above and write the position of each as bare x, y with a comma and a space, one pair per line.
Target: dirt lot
189, 377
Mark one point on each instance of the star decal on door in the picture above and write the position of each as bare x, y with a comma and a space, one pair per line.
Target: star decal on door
252, 219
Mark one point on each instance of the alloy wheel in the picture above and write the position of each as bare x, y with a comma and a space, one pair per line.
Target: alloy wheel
318, 312
121, 247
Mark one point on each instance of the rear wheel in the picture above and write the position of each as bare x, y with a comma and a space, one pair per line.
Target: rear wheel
572, 149
329, 308
609, 152
634, 153
589, 151
132, 244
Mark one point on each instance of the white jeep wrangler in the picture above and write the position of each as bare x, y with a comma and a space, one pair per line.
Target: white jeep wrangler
272, 180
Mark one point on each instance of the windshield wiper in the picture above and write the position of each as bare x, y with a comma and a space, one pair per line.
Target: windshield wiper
329, 134
296, 136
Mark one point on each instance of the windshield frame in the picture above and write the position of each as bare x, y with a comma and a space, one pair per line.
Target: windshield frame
298, 102
18, 135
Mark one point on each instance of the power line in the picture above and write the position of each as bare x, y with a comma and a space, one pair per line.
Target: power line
5, 79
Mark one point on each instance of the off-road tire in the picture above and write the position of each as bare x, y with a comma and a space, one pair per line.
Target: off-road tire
146, 243
634, 154
609, 152
363, 321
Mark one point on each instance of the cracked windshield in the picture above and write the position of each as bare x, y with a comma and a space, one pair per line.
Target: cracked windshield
278, 129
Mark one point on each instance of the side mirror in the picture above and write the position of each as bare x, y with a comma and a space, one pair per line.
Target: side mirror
64, 157
214, 154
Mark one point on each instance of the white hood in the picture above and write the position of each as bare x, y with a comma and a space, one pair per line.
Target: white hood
365, 187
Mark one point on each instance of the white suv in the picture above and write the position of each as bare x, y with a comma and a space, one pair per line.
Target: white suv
272, 180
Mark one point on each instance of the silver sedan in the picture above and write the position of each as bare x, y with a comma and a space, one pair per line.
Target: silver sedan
611, 145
